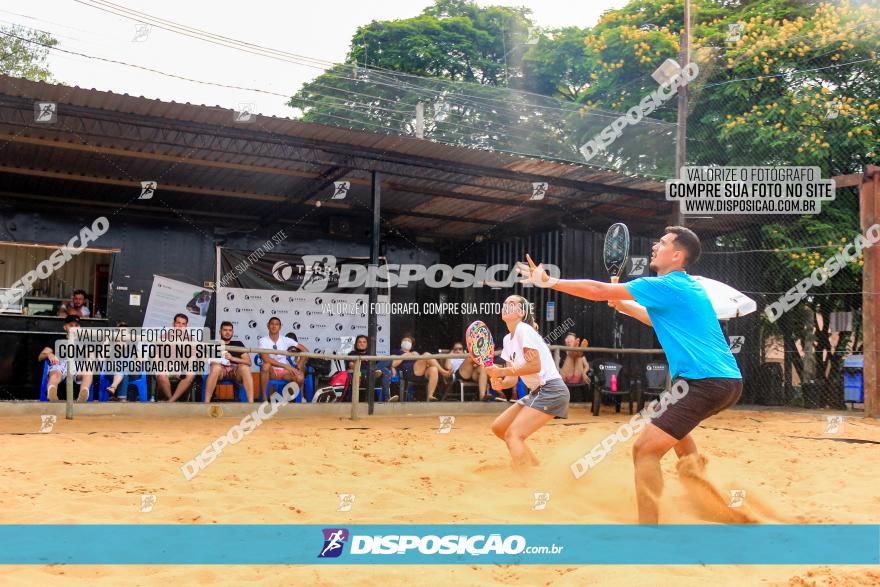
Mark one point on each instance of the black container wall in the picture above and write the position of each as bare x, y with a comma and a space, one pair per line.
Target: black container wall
178, 250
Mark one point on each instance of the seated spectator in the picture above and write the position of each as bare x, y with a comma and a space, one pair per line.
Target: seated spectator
58, 368
117, 378
382, 369
234, 366
464, 369
76, 306
574, 367
277, 366
298, 347
428, 370
184, 380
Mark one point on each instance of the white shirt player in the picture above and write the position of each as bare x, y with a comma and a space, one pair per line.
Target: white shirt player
526, 337
282, 344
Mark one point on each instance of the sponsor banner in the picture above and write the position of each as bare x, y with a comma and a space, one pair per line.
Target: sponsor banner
305, 314
271, 287
283, 271
169, 297
470, 544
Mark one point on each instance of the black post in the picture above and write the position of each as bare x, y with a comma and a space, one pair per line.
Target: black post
372, 324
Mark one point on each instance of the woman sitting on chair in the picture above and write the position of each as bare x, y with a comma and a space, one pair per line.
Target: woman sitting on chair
467, 370
574, 367
382, 368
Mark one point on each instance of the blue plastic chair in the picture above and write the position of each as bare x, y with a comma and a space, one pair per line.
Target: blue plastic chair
139, 382
274, 383
521, 389
238, 387
44, 386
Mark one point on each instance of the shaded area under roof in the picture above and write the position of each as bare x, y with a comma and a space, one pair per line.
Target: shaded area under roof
275, 170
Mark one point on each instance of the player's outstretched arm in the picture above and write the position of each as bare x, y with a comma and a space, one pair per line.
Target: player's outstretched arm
583, 288
632, 309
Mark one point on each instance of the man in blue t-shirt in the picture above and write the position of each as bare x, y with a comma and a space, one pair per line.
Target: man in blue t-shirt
699, 358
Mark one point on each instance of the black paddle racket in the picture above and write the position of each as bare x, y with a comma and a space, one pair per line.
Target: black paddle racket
616, 250
615, 254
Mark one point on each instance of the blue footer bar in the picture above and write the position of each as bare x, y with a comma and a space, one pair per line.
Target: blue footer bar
101, 544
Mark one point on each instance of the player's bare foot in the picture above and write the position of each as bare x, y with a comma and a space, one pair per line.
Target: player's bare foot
52, 393
712, 504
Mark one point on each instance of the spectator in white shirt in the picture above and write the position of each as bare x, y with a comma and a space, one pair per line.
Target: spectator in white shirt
276, 366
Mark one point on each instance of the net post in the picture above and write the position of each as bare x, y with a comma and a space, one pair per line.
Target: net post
68, 413
355, 389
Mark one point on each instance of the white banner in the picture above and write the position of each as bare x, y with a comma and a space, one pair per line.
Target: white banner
169, 297
306, 314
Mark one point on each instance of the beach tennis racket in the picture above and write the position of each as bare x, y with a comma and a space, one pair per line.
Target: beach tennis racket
479, 343
616, 250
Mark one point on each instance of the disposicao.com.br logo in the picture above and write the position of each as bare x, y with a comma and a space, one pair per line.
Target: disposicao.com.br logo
334, 541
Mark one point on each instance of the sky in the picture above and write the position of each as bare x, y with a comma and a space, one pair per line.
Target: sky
293, 27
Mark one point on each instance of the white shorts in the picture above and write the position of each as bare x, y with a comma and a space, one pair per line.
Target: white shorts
61, 367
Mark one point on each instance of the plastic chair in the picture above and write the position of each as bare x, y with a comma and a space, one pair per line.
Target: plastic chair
654, 383
238, 387
139, 382
274, 383
521, 389
406, 388
44, 385
380, 396
602, 384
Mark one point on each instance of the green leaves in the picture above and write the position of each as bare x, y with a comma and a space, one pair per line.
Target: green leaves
23, 53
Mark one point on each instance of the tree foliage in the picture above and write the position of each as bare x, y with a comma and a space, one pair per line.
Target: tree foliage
23, 52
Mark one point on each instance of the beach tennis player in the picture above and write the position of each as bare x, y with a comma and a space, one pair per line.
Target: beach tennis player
688, 330
528, 358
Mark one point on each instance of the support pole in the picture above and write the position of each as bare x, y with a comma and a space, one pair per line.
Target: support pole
372, 323
869, 204
68, 413
676, 218
356, 389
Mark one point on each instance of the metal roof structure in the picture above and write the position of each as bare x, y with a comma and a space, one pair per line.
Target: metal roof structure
209, 164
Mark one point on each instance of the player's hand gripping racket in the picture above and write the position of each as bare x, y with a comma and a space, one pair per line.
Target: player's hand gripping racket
479, 344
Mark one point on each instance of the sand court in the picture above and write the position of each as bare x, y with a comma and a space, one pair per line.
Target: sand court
401, 470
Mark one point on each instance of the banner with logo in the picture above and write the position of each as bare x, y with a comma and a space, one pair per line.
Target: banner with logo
441, 544
300, 290
169, 297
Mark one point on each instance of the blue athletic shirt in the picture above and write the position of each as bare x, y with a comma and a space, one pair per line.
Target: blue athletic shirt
686, 326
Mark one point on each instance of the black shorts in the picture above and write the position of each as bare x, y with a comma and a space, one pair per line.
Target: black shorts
703, 398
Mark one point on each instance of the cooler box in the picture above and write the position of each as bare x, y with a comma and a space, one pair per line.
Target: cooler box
854, 379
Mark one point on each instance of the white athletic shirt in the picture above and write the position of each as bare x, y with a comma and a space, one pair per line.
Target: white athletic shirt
526, 337
456, 363
282, 345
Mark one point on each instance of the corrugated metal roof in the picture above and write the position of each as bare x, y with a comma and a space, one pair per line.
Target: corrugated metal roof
446, 180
